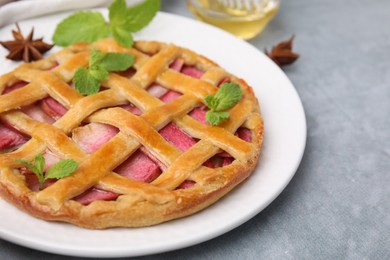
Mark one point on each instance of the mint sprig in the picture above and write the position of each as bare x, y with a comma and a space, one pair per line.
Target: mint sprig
87, 81
59, 170
228, 95
91, 26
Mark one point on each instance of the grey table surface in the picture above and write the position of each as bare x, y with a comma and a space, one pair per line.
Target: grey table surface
337, 206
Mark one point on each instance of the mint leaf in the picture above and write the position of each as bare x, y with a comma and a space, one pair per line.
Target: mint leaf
85, 83
214, 118
59, 170
141, 15
125, 20
123, 37
228, 95
95, 58
81, 27
62, 169
95, 69
102, 63
117, 13
116, 61
99, 74
91, 26
211, 101
40, 163
37, 168
31, 166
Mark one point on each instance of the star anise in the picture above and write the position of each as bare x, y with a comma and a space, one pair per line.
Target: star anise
282, 53
27, 49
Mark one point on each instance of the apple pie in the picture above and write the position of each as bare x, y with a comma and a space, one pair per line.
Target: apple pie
146, 153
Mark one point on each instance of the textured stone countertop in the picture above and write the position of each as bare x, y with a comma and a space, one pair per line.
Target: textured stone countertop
337, 206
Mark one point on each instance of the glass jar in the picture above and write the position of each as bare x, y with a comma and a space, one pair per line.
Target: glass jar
243, 18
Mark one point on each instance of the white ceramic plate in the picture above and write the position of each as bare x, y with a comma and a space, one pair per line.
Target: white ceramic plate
284, 142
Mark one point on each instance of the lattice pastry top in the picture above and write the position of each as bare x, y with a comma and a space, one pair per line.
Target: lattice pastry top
145, 153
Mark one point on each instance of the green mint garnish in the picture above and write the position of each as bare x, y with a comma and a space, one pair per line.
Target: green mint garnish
91, 26
227, 97
87, 81
81, 27
59, 170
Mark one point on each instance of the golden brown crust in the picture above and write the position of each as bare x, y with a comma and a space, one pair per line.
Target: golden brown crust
141, 204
